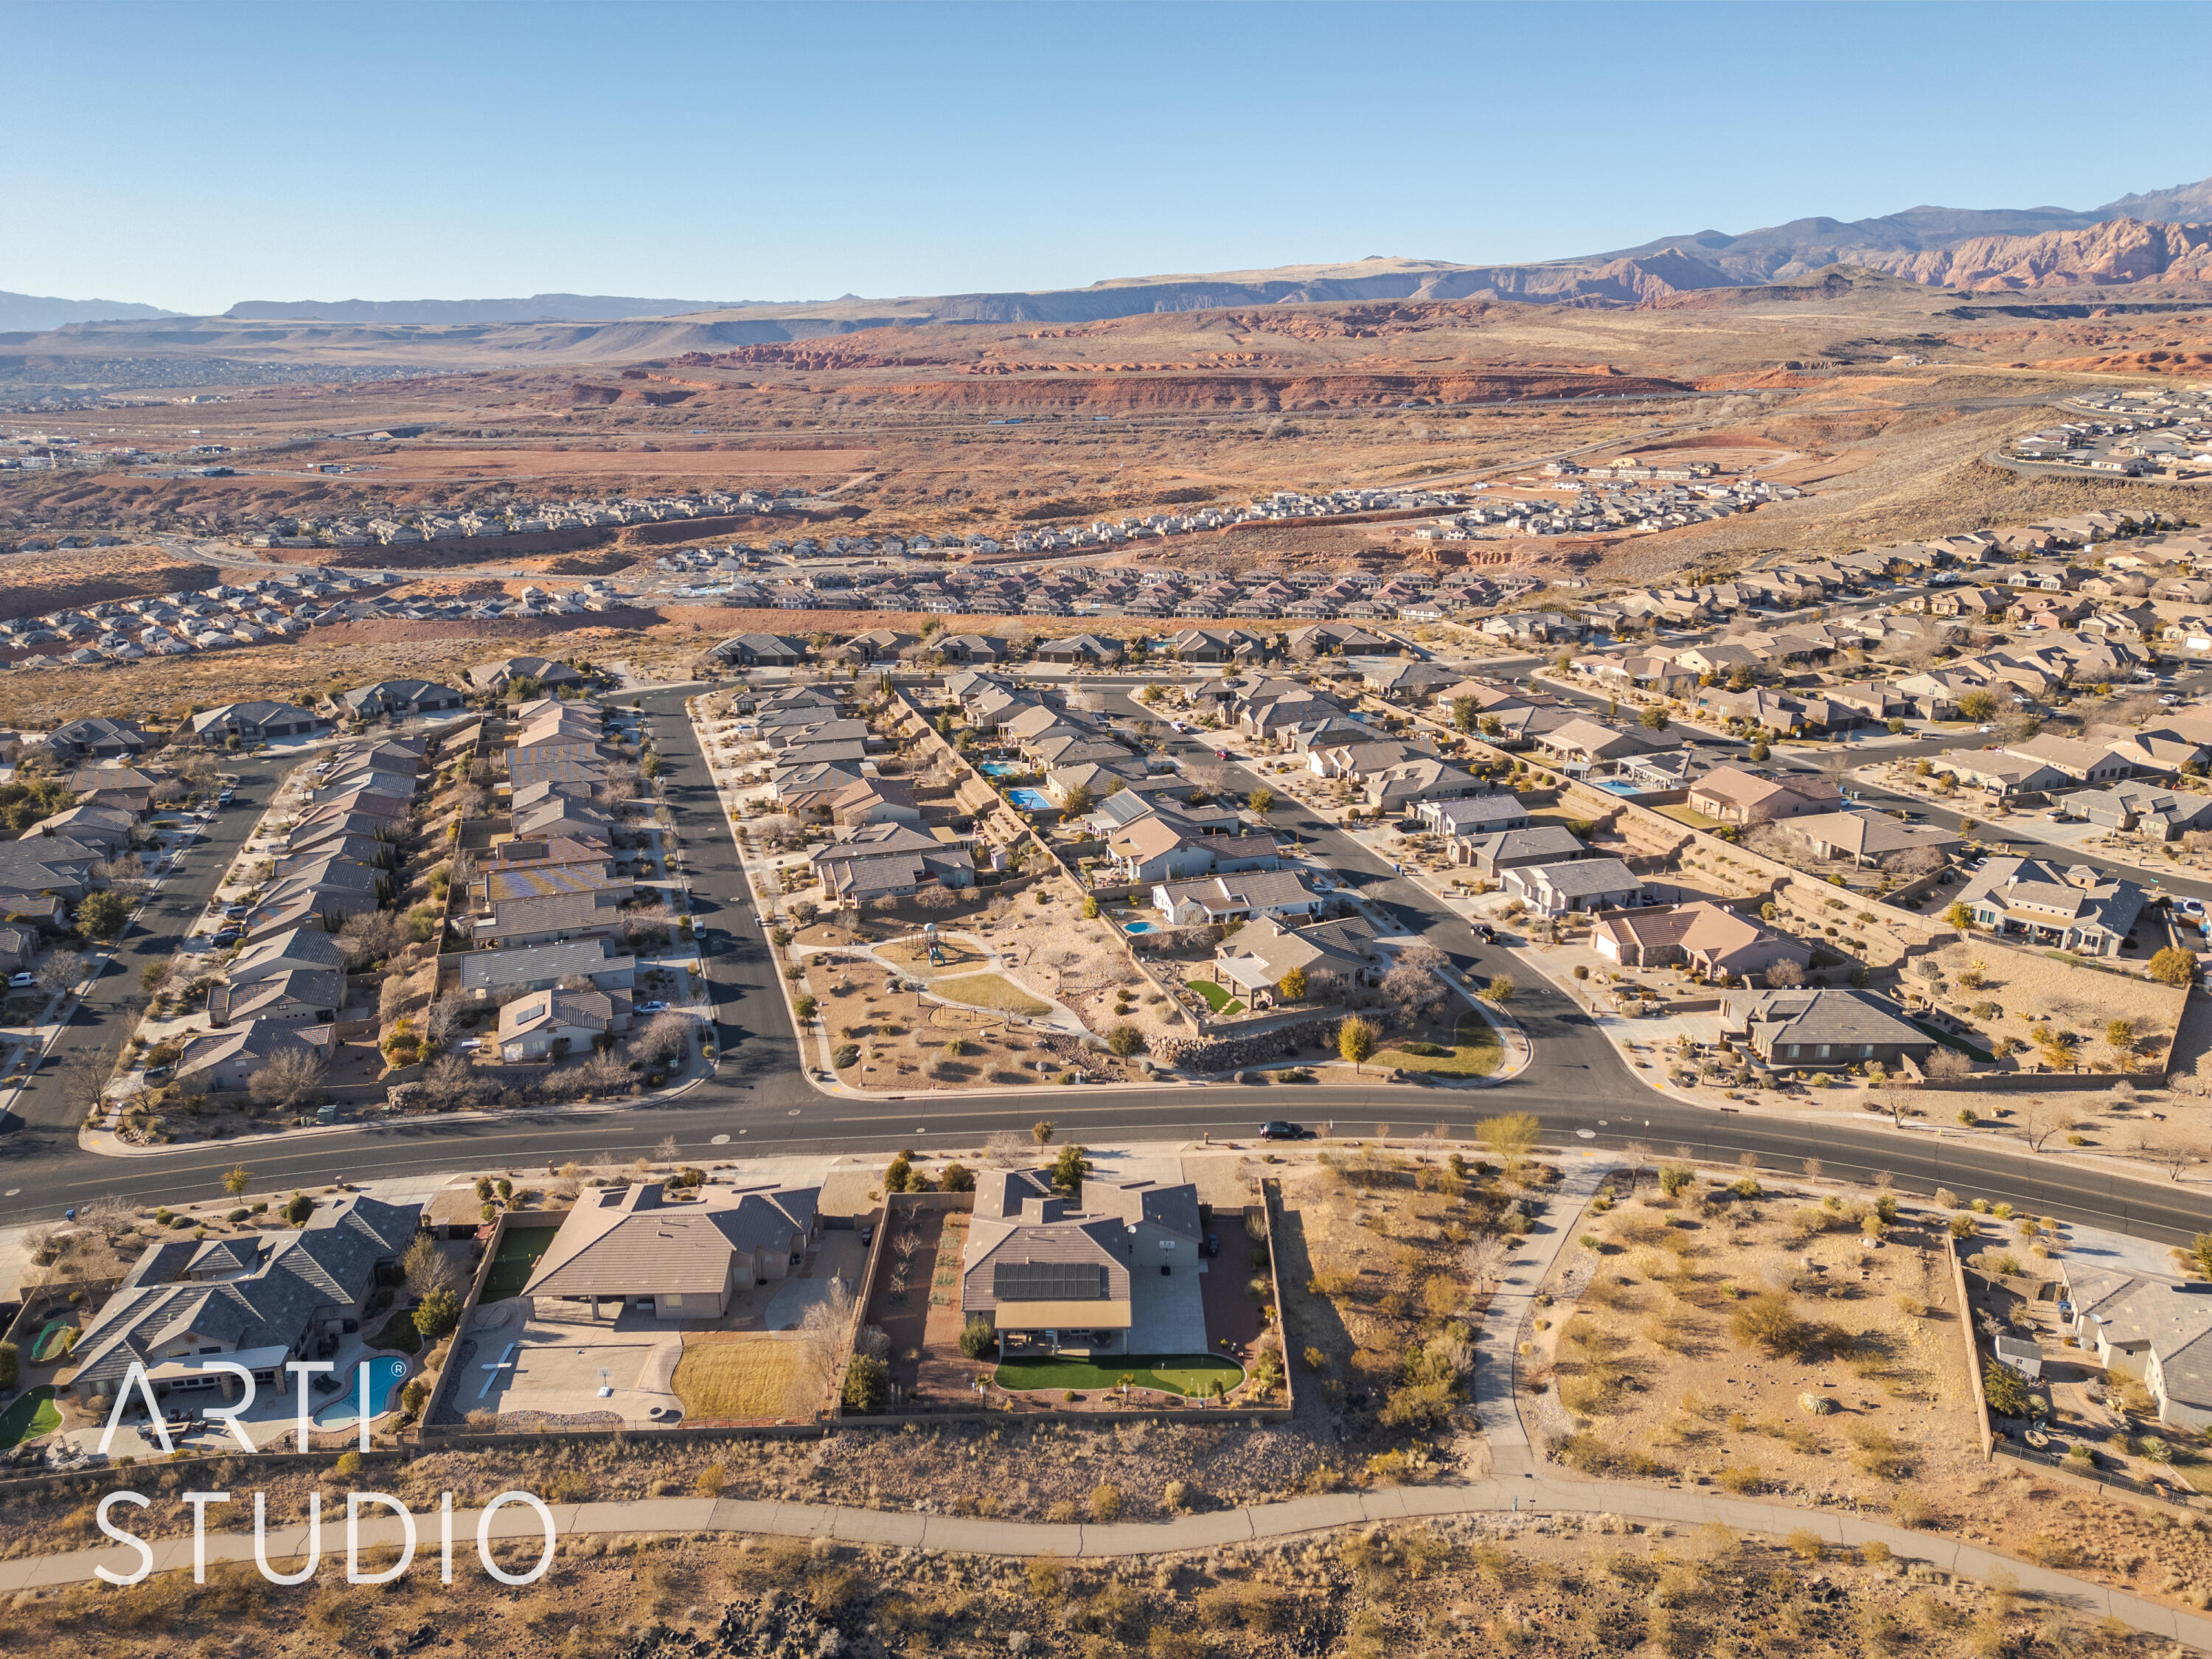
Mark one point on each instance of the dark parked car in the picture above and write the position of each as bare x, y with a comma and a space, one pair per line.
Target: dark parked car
1280, 1130
1213, 1243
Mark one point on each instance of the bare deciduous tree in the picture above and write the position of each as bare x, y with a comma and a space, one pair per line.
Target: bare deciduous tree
429, 1268
59, 971
288, 1079
824, 1341
1783, 974
1483, 1257
371, 936
665, 1037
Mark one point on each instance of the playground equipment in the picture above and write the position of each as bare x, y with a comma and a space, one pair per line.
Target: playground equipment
929, 939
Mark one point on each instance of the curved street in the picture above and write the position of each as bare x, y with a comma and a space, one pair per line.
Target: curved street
758, 1102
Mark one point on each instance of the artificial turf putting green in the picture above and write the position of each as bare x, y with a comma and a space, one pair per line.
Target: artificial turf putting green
31, 1416
519, 1250
1188, 1374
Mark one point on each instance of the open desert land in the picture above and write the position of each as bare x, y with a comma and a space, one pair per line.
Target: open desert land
909, 425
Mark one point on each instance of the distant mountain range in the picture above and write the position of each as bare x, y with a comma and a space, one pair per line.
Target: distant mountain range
37, 312
2162, 236
537, 308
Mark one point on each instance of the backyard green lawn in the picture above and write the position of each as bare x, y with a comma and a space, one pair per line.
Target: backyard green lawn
1219, 998
1473, 1052
1190, 1374
33, 1415
519, 1250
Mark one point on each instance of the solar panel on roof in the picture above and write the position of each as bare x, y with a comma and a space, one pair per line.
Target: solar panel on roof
1049, 1281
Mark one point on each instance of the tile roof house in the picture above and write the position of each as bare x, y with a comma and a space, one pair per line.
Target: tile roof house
894, 860
2152, 809
1735, 796
1493, 852
1413, 783
1115, 1270
1474, 815
2084, 763
2157, 1329
1823, 1028
632, 1248
1584, 884
1713, 941
259, 1301
97, 739
2073, 909
253, 722
397, 699
1281, 894
225, 1061
498, 676
2001, 774
547, 1024
1255, 958
1867, 838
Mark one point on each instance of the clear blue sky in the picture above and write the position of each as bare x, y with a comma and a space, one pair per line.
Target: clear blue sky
193, 155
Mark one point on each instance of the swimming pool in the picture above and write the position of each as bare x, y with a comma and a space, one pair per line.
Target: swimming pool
1616, 786
1032, 800
1138, 926
385, 1374
1002, 769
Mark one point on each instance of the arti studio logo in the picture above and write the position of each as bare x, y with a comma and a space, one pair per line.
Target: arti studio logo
136, 1383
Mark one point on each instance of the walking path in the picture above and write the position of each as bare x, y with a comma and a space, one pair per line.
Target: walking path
1513, 1454
1658, 1506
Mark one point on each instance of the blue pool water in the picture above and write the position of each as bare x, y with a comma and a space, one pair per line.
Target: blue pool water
1002, 769
1616, 786
385, 1374
1032, 800
1136, 927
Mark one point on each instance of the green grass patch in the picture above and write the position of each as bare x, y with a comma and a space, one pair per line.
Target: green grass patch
1219, 998
519, 1250
1682, 812
1474, 1051
33, 1414
1952, 1040
1190, 1374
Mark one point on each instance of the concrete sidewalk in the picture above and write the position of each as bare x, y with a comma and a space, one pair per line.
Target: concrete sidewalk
1513, 1454
1656, 1506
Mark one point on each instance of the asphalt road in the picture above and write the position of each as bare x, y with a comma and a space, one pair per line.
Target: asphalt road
758, 1098
47, 1113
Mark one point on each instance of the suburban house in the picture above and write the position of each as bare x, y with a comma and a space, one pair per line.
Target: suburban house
542, 967
1115, 1270
544, 904
2004, 774
108, 828
1155, 848
1586, 741
48, 864
634, 1248
1281, 894
1713, 941
2148, 809
252, 722
2158, 1330
1474, 815
1825, 1030
1413, 783
547, 1024
2073, 908
304, 996
97, 739
890, 861
1733, 795
548, 673
1256, 958
1585, 884
259, 1301
397, 700
223, 1062
1499, 850
1867, 838
2084, 763
1080, 650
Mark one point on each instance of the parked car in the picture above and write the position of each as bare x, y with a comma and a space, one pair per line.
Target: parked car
230, 936
1280, 1130
233, 912
1213, 1243
18, 981
2187, 905
656, 1006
